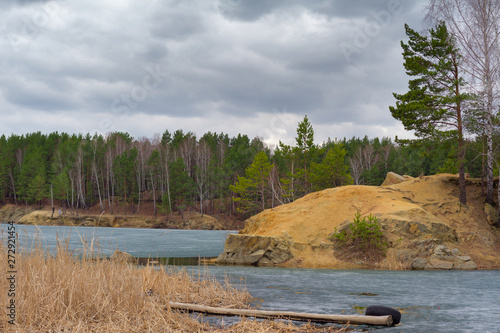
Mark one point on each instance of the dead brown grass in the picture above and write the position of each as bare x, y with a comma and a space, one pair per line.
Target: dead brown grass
61, 293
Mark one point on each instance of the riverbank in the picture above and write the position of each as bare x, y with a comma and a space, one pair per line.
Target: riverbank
63, 294
31, 215
423, 223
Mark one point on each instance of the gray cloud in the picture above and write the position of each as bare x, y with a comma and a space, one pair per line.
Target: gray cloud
230, 62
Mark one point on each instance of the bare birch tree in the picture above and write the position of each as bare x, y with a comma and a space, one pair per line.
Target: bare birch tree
110, 189
203, 155
94, 170
166, 158
144, 149
476, 26
80, 177
186, 150
357, 166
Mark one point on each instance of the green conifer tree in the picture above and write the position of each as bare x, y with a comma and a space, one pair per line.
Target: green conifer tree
332, 171
253, 187
433, 107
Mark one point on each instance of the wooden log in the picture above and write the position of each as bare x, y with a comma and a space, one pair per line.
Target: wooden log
299, 316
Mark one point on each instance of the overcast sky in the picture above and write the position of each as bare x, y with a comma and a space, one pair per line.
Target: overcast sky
254, 67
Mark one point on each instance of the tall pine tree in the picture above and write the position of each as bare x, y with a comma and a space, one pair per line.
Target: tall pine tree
434, 105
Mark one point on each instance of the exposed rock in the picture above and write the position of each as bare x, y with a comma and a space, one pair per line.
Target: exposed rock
419, 263
255, 250
419, 229
192, 220
442, 258
404, 255
425, 247
393, 178
441, 250
491, 214
469, 265
13, 213
123, 257
412, 228
439, 264
204, 222
444, 232
416, 216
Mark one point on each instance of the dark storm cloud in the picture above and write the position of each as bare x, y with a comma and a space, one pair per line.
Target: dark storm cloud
253, 10
130, 63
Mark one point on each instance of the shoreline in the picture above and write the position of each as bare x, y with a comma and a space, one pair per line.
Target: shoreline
190, 220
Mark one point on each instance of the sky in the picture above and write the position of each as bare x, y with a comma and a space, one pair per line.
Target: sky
253, 67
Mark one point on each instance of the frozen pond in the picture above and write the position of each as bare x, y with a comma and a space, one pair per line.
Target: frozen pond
439, 301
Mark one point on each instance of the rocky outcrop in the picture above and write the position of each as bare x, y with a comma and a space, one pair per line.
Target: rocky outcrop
13, 213
255, 250
30, 216
442, 258
416, 216
491, 214
194, 221
415, 229
393, 178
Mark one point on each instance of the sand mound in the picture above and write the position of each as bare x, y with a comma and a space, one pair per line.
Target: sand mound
416, 215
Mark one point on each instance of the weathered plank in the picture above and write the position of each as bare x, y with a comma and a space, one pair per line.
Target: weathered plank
299, 316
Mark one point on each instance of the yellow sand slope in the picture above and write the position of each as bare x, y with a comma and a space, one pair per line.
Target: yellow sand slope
416, 215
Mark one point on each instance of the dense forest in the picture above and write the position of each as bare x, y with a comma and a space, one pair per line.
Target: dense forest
213, 174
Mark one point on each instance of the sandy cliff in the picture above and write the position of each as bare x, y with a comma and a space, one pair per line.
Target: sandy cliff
424, 223
28, 215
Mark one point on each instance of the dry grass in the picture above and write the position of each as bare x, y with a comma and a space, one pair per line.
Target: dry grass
60, 293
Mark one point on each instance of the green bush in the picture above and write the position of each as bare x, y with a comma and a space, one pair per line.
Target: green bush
363, 234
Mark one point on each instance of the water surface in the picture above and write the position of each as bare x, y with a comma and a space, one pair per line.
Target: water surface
431, 301
144, 243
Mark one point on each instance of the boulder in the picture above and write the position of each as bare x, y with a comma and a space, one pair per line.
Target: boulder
463, 258
441, 250
255, 250
491, 214
442, 258
393, 178
469, 265
439, 264
419, 264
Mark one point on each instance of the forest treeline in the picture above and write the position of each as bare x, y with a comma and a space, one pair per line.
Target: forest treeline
213, 173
